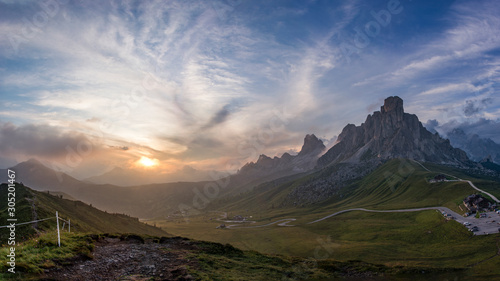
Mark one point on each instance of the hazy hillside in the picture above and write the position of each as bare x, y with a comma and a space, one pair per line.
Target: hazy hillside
33, 205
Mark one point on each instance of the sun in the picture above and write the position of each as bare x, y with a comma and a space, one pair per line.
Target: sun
147, 162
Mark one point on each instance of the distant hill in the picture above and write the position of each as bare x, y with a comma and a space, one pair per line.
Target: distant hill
40, 177
129, 177
143, 201
33, 205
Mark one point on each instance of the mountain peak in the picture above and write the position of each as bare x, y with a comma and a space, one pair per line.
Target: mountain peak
33, 161
311, 144
393, 104
389, 134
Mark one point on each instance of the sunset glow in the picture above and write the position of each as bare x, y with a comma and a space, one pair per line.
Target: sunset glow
147, 162
215, 84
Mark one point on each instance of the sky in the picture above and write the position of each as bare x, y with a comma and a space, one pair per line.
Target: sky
86, 86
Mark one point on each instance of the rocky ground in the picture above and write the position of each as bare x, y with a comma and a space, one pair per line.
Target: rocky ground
131, 259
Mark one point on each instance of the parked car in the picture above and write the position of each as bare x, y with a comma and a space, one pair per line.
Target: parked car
474, 229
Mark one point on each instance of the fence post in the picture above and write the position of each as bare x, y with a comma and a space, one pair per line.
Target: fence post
58, 235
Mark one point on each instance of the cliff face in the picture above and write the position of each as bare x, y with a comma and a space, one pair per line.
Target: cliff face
391, 133
286, 164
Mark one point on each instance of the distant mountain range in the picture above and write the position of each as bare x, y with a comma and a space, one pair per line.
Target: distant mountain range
315, 175
477, 148
129, 177
268, 169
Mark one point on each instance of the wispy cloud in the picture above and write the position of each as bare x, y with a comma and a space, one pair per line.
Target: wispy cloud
169, 79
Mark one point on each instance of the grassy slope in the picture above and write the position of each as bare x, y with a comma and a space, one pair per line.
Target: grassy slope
209, 261
416, 239
41, 251
84, 218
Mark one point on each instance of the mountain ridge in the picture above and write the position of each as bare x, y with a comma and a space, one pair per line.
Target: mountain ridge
391, 133
477, 148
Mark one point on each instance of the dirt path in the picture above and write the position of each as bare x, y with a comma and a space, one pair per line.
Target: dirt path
129, 260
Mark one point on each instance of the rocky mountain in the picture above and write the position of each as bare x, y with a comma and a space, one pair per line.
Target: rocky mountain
391, 133
287, 164
477, 148
386, 134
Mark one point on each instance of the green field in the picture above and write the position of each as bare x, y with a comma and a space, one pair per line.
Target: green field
397, 245
409, 239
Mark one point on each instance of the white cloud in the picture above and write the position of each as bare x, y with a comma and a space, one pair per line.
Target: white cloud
454, 89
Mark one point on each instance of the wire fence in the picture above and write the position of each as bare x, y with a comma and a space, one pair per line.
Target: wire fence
35, 221
22, 223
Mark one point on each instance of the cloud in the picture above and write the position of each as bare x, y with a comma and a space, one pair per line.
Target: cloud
219, 81
454, 89
470, 108
473, 107
219, 117
485, 128
431, 125
41, 141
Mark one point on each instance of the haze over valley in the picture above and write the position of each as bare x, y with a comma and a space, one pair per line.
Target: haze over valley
249, 140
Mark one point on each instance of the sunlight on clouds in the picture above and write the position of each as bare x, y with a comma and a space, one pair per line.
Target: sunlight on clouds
147, 162
219, 82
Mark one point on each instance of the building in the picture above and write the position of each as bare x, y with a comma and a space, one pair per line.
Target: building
477, 202
438, 178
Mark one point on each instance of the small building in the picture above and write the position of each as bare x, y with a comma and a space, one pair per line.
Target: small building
477, 202
438, 178
238, 218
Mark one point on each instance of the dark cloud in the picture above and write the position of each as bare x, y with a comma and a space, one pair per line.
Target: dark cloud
219, 117
40, 141
470, 108
431, 125
484, 128
487, 101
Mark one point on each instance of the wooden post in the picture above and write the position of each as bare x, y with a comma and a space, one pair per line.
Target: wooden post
58, 234
69, 225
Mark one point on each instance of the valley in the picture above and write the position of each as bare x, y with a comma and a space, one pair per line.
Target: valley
395, 220
386, 200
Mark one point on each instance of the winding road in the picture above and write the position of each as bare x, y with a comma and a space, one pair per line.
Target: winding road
448, 211
459, 218
283, 222
467, 181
